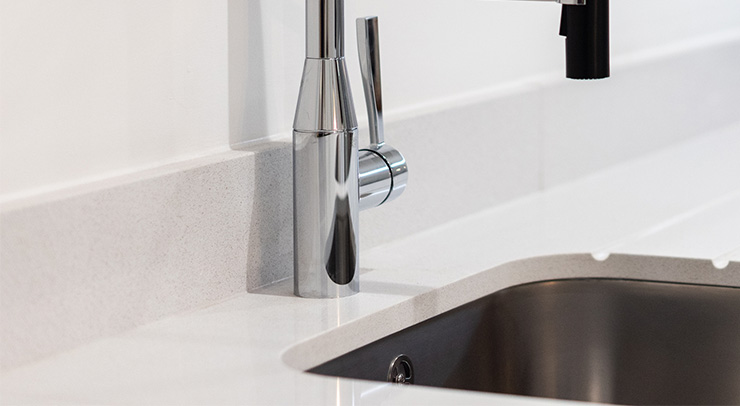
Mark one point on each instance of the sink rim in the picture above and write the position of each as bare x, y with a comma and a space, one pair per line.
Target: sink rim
344, 338
580, 339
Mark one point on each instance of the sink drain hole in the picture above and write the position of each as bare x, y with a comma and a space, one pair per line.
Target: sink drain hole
401, 370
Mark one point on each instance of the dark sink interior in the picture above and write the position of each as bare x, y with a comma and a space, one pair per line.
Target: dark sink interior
601, 340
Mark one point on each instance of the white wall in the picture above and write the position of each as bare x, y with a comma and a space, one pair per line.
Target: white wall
89, 87
92, 88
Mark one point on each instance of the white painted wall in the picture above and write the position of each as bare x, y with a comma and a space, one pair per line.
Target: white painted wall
91, 88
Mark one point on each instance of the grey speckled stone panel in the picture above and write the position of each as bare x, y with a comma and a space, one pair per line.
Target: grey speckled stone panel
270, 231
87, 265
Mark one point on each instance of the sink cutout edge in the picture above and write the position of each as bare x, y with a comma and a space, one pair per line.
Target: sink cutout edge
354, 334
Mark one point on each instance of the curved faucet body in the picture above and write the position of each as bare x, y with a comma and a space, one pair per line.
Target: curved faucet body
325, 163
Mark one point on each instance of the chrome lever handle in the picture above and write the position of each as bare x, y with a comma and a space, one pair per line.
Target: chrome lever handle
382, 169
368, 47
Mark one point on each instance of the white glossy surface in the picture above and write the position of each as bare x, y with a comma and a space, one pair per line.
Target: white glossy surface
237, 351
93, 88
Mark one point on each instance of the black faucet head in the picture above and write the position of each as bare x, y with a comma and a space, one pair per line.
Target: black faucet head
586, 32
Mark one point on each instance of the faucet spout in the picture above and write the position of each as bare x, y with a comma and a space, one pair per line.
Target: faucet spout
586, 28
585, 24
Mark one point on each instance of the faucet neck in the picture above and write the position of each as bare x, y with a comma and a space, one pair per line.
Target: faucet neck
325, 29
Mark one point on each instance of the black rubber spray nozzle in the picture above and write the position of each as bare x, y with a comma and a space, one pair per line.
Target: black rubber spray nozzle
586, 32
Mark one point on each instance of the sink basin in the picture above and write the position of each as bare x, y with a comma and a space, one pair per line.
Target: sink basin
601, 340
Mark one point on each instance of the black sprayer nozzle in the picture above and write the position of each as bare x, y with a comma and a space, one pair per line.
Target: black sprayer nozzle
586, 32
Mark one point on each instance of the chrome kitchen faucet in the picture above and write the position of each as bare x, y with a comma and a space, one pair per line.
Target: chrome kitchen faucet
332, 179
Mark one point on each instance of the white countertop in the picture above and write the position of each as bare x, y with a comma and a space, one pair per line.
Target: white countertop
683, 202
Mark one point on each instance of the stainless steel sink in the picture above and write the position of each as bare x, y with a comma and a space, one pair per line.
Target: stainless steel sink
601, 340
